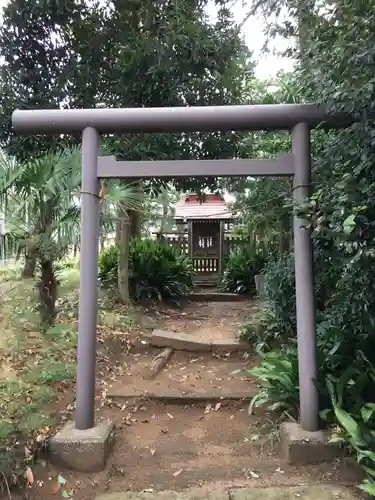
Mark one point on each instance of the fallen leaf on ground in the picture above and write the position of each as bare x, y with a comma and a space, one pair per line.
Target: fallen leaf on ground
170, 416
61, 480
254, 475
217, 406
177, 473
29, 477
66, 494
152, 451
208, 409
56, 488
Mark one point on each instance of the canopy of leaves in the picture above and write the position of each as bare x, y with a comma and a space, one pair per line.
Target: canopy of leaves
122, 54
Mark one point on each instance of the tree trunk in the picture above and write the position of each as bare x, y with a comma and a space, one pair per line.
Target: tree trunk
29, 266
118, 231
163, 220
102, 243
136, 215
124, 230
47, 293
136, 223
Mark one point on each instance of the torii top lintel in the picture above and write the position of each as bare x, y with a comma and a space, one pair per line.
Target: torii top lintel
176, 119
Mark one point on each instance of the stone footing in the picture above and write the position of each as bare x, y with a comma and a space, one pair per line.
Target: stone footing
85, 451
304, 447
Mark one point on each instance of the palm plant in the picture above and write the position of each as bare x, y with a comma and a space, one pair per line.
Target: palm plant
41, 203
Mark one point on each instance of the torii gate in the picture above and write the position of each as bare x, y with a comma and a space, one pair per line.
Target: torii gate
299, 118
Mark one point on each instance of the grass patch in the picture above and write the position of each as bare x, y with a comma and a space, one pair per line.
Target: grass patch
10, 273
37, 367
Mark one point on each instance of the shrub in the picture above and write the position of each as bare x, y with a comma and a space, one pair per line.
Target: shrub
156, 270
345, 322
67, 264
263, 331
277, 375
108, 260
354, 416
279, 323
280, 290
242, 266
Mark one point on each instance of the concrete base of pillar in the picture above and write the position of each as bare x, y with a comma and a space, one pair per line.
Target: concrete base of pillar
304, 447
85, 451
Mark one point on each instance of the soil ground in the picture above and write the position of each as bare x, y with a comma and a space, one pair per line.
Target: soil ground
173, 447
187, 373
209, 320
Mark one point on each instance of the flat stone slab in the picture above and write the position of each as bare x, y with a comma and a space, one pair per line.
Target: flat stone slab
304, 447
177, 397
282, 493
84, 451
179, 341
215, 297
192, 494
186, 342
291, 493
228, 345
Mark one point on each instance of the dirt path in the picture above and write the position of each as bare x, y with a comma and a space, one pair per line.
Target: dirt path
162, 446
217, 320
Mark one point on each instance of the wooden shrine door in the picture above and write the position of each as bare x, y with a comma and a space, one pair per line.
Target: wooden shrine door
206, 251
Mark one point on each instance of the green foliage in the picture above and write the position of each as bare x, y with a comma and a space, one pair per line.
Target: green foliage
278, 322
277, 375
280, 291
275, 324
354, 416
67, 264
263, 331
242, 266
39, 367
10, 273
108, 261
196, 62
157, 270
27, 397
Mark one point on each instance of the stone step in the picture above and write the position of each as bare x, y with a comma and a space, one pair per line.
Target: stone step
321, 492
192, 343
178, 397
210, 296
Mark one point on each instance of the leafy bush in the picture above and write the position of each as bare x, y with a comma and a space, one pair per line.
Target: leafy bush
263, 330
354, 417
108, 260
67, 264
156, 270
159, 271
277, 375
345, 322
280, 290
278, 323
242, 266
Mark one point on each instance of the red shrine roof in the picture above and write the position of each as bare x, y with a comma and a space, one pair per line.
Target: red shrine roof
213, 207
